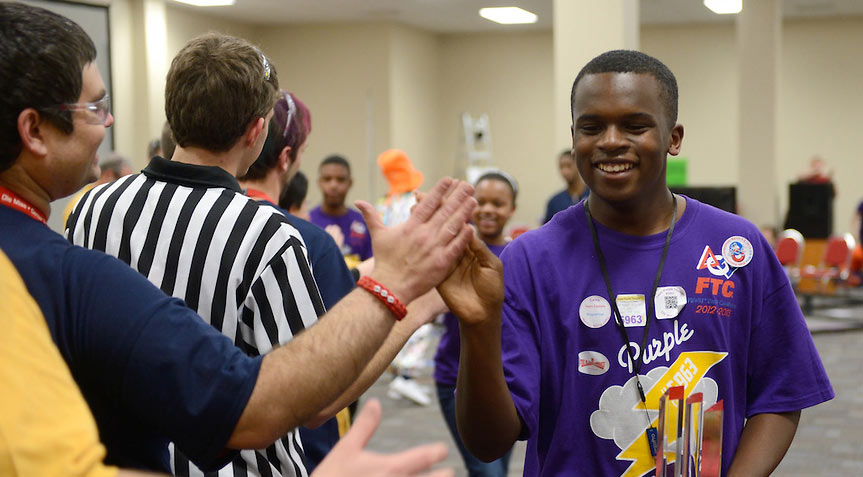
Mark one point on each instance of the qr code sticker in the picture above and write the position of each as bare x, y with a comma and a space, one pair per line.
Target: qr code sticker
670, 301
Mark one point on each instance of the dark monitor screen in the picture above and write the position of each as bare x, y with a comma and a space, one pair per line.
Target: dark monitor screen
724, 198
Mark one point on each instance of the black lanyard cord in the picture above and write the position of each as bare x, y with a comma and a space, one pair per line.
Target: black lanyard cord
635, 360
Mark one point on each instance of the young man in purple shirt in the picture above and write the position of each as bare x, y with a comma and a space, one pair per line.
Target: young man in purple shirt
345, 224
634, 289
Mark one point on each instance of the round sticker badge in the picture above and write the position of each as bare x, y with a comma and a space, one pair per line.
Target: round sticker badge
595, 311
669, 302
737, 251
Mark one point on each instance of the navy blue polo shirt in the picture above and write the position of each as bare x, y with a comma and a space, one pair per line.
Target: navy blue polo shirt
150, 369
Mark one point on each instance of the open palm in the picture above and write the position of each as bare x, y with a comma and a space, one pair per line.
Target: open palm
474, 290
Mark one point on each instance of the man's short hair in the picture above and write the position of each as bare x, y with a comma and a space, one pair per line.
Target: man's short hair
279, 136
216, 86
115, 163
565, 152
153, 147
630, 61
295, 193
336, 159
42, 60
167, 140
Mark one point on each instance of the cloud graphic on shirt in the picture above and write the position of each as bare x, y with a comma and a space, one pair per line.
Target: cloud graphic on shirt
617, 418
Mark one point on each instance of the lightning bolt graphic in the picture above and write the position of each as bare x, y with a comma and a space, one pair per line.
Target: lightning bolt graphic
687, 370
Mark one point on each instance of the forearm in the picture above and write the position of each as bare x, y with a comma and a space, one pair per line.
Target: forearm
393, 343
763, 443
298, 379
487, 419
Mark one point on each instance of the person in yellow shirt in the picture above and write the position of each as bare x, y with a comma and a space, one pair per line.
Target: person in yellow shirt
46, 428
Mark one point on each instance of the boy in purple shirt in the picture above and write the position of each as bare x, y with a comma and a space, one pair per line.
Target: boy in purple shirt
345, 224
623, 296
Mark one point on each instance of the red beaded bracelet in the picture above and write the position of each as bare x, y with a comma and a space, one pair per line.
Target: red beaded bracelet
384, 295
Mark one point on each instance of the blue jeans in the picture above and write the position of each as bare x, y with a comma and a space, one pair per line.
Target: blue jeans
475, 467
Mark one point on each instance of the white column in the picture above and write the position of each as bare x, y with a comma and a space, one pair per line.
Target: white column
759, 36
582, 30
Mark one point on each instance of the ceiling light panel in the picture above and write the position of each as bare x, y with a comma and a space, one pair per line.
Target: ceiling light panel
207, 3
724, 7
507, 15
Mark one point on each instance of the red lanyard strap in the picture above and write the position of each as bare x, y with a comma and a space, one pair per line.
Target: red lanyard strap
15, 202
257, 194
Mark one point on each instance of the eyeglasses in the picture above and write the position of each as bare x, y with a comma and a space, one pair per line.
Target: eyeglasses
292, 109
99, 109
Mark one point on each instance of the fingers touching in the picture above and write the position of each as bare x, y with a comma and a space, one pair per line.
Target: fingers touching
430, 201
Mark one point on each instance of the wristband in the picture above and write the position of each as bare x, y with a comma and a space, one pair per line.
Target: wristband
384, 295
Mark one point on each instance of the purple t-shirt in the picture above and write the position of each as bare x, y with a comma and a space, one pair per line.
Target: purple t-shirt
740, 337
446, 357
358, 242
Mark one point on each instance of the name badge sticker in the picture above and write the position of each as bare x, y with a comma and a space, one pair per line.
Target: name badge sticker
669, 302
633, 311
595, 311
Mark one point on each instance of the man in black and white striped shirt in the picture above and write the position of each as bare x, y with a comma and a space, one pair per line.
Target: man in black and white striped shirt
186, 226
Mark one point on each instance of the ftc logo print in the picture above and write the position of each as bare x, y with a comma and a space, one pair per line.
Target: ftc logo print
715, 264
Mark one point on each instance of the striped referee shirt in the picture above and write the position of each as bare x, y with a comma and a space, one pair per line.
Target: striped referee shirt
190, 230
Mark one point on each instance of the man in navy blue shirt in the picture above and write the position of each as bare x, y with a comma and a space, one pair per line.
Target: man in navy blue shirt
150, 369
575, 187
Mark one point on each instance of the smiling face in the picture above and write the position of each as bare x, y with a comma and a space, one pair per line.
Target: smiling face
621, 137
494, 209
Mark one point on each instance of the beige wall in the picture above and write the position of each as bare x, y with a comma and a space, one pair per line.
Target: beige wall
415, 99
704, 60
818, 109
510, 77
820, 104
342, 72
183, 24
373, 86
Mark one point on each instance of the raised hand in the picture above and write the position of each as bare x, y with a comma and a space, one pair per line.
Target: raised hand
413, 257
474, 290
349, 456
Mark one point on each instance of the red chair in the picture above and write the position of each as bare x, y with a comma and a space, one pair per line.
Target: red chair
789, 251
836, 262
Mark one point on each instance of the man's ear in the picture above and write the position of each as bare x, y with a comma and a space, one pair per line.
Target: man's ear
254, 130
285, 159
676, 139
30, 130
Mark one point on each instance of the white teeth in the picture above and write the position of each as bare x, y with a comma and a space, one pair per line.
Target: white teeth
614, 167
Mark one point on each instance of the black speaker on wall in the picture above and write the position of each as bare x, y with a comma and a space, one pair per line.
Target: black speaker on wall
724, 198
810, 209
